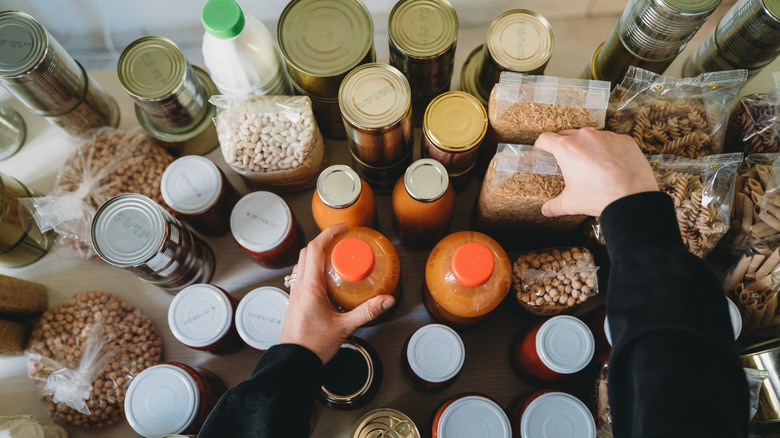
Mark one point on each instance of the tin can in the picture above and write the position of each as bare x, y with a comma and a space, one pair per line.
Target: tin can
433, 356
471, 415
532, 413
381, 179
132, 232
328, 117
13, 131
21, 241
353, 377
423, 204
385, 422
260, 315
469, 76
343, 197
201, 316
766, 356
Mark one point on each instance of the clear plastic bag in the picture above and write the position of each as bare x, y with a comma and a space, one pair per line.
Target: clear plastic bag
668, 115
25, 426
750, 220
601, 401
755, 379
752, 284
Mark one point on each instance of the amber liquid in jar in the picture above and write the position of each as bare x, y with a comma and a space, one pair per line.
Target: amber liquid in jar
343, 197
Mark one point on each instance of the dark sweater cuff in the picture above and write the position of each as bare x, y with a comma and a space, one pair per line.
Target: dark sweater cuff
294, 359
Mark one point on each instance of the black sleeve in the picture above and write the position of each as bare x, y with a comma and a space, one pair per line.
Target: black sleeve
674, 369
276, 400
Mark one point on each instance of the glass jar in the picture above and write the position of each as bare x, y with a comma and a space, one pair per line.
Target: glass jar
201, 317
553, 349
21, 241
265, 227
343, 197
132, 232
548, 413
171, 398
423, 204
13, 131
598, 325
385, 422
260, 316
199, 192
353, 377
466, 277
433, 356
471, 415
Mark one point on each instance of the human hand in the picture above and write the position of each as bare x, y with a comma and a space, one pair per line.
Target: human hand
599, 167
311, 320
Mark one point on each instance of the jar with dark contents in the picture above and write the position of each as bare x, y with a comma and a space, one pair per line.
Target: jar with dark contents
433, 356
260, 316
385, 422
133, 232
21, 241
353, 377
171, 398
201, 317
550, 413
471, 415
342, 197
265, 227
200, 194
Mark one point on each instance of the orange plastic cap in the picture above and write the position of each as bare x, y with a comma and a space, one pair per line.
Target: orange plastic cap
472, 264
352, 258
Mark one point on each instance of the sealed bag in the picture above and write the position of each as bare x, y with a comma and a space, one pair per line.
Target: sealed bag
752, 284
752, 126
755, 215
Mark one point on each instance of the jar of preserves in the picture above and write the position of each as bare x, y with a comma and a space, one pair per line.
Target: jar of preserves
423, 203
21, 241
466, 277
553, 349
385, 422
598, 324
197, 190
343, 197
433, 356
171, 398
360, 264
260, 315
201, 317
471, 415
353, 377
265, 227
547, 413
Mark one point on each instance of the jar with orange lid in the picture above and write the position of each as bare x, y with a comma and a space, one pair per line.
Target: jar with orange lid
547, 413
342, 197
360, 264
466, 277
423, 203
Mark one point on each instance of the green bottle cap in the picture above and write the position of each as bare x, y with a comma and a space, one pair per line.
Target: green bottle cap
222, 18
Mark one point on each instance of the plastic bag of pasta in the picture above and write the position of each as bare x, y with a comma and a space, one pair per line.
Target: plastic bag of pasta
755, 215
752, 285
668, 115
752, 126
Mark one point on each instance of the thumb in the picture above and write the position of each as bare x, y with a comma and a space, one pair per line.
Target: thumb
554, 207
368, 311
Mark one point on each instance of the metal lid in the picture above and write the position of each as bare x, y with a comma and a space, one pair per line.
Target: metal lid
469, 75
374, 96
557, 415
23, 43
222, 19
773, 7
473, 416
426, 180
191, 184
423, 28
385, 423
338, 186
162, 399
128, 230
520, 40
200, 315
689, 6
260, 221
325, 37
736, 318
436, 353
259, 316
565, 344
151, 67
455, 121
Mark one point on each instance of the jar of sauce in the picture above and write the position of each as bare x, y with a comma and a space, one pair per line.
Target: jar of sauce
553, 349
265, 227
361, 264
597, 322
353, 377
342, 197
466, 277
260, 315
201, 317
547, 413
171, 398
385, 422
200, 194
471, 415
423, 203
433, 356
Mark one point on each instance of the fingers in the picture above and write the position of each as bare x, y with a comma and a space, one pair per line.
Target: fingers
554, 207
367, 312
315, 251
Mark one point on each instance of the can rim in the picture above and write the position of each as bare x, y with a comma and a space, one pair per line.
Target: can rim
135, 52
325, 183
469, 141
468, 75
689, 7
40, 43
383, 412
507, 62
352, 103
370, 375
407, 44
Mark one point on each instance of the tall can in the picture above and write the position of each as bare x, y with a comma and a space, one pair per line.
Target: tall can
21, 241
13, 131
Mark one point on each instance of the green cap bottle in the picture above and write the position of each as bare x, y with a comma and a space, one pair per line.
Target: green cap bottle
222, 18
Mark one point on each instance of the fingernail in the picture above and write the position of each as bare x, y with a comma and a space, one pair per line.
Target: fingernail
388, 303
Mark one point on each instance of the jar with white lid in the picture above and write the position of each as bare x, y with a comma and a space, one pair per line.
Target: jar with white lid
433, 357
471, 415
547, 413
260, 315
201, 317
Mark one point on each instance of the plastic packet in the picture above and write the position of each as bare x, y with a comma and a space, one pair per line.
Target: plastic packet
271, 140
752, 284
751, 221
755, 379
668, 115
25, 426
752, 126
601, 401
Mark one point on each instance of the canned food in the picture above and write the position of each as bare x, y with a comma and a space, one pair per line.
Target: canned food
201, 317
343, 197
766, 356
471, 415
423, 204
469, 76
13, 131
260, 316
381, 179
385, 422
328, 117
353, 377
433, 356
534, 414
21, 241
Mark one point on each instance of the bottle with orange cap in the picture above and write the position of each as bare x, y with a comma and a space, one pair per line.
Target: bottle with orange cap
467, 276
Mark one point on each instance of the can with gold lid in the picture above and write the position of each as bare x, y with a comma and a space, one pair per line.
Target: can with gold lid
382, 179
468, 75
385, 422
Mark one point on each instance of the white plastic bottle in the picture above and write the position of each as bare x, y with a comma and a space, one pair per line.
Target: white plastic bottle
240, 53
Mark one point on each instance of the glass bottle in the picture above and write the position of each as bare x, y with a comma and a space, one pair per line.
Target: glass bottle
343, 197
201, 317
21, 241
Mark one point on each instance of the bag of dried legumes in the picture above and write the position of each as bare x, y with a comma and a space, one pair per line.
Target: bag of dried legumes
271, 140
668, 115
753, 124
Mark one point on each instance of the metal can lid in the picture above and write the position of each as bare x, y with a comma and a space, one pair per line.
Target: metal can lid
23, 43
385, 422
151, 67
565, 344
191, 184
436, 353
325, 37
162, 399
773, 7
423, 28
374, 96
471, 416
520, 40
338, 186
426, 180
200, 315
690, 6
128, 230
260, 221
736, 318
259, 316
455, 121
557, 415
469, 75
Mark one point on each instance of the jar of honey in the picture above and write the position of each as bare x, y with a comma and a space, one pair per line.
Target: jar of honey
201, 317
547, 413
260, 315
361, 264
423, 202
265, 227
342, 197
466, 277
433, 356
471, 415
353, 377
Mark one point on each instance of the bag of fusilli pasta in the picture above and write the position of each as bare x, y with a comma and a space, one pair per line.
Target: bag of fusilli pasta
702, 190
753, 124
668, 115
750, 219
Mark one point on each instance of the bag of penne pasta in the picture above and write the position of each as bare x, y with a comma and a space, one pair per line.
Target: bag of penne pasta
752, 218
753, 123
752, 283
